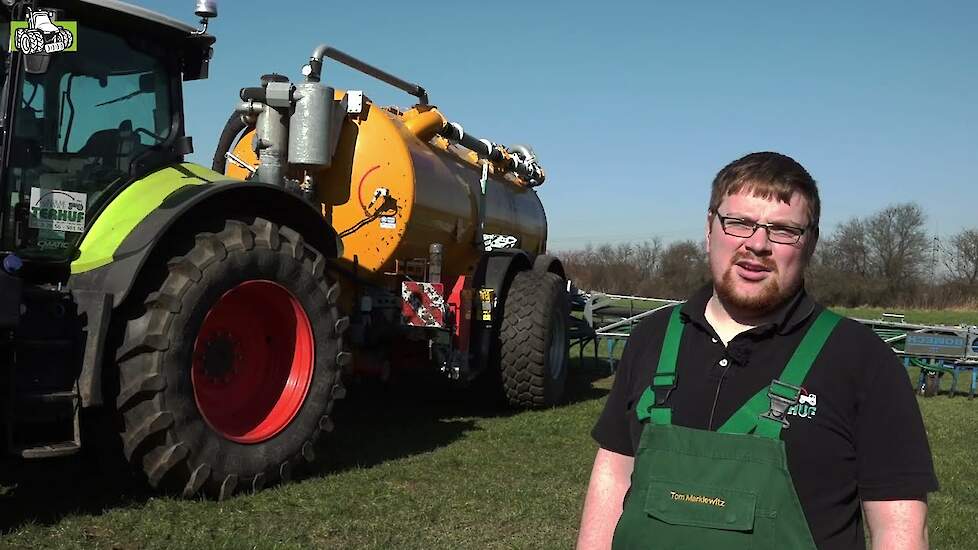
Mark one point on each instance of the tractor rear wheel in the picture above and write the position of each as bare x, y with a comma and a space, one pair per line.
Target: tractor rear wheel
533, 347
230, 376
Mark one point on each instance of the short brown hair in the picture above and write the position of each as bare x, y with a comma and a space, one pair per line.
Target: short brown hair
767, 175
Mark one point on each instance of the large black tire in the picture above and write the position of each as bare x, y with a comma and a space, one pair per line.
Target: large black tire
533, 340
167, 433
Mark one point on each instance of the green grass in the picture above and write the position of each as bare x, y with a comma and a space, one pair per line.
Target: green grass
409, 468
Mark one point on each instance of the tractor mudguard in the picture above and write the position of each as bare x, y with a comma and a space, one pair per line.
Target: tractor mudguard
127, 231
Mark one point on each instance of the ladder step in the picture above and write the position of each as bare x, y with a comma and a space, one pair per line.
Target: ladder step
61, 448
44, 343
48, 397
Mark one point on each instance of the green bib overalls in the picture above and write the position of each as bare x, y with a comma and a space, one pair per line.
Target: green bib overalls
725, 490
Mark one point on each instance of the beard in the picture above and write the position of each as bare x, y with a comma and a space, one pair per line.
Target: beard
767, 299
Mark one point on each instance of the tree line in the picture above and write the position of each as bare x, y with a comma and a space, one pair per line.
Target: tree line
886, 259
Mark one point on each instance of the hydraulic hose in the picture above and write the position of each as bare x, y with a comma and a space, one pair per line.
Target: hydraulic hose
232, 128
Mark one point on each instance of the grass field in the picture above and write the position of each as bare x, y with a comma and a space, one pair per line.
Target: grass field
408, 468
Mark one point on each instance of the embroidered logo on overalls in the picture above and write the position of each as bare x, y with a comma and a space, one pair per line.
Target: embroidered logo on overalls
698, 499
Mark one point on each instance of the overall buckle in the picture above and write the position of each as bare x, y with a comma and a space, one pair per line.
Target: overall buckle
782, 396
662, 386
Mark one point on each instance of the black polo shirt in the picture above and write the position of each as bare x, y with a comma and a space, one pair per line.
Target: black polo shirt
857, 435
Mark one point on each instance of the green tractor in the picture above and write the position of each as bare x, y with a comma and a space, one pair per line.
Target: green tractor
146, 286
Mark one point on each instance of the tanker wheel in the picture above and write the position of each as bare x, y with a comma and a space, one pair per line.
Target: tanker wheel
533, 334
230, 376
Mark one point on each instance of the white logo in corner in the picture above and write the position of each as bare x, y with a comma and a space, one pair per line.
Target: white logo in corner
40, 35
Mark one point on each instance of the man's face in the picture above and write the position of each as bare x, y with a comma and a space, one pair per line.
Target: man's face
754, 274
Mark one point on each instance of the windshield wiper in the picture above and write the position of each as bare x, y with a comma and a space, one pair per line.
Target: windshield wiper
123, 98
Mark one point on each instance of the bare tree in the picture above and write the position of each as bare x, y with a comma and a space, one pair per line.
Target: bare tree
961, 259
847, 249
898, 244
683, 269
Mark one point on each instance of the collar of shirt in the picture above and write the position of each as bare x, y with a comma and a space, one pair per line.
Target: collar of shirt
800, 308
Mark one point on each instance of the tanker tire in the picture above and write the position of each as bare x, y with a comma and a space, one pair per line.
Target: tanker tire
533, 347
165, 434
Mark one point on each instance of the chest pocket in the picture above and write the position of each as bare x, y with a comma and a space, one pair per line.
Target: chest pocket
706, 517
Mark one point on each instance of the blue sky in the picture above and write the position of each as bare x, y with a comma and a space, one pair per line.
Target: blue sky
633, 107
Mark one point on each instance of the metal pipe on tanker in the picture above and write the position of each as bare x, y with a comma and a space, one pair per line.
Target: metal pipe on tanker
526, 167
313, 71
435, 251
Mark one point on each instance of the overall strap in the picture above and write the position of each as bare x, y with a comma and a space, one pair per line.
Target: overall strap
766, 411
652, 404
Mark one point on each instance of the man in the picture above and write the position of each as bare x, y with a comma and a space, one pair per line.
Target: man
750, 416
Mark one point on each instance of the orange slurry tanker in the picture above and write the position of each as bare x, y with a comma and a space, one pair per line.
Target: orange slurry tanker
442, 236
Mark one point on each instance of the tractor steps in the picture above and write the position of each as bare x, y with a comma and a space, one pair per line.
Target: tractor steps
42, 359
48, 397
48, 450
44, 424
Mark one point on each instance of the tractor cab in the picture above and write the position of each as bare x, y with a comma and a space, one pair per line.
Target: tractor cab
79, 124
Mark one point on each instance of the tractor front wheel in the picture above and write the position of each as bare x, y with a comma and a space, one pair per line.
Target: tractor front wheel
229, 377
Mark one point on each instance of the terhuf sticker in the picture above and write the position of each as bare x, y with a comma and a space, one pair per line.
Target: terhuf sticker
57, 210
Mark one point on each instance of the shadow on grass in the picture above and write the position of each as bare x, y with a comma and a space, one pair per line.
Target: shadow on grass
375, 424
44, 491
378, 422
584, 372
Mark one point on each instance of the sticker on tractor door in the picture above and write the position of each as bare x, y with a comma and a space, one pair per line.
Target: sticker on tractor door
40, 34
388, 222
57, 210
496, 242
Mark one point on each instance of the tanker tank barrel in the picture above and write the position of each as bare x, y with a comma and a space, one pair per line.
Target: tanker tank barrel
313, 71
519, 159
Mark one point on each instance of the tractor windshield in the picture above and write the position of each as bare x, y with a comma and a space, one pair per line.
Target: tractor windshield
85, 123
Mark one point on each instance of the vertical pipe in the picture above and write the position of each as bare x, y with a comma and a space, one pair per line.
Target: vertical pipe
434, 262
272, 131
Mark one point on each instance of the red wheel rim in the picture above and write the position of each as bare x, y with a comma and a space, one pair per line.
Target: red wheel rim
253, 362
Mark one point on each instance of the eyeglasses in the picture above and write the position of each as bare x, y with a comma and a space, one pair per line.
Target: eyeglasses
776, 233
